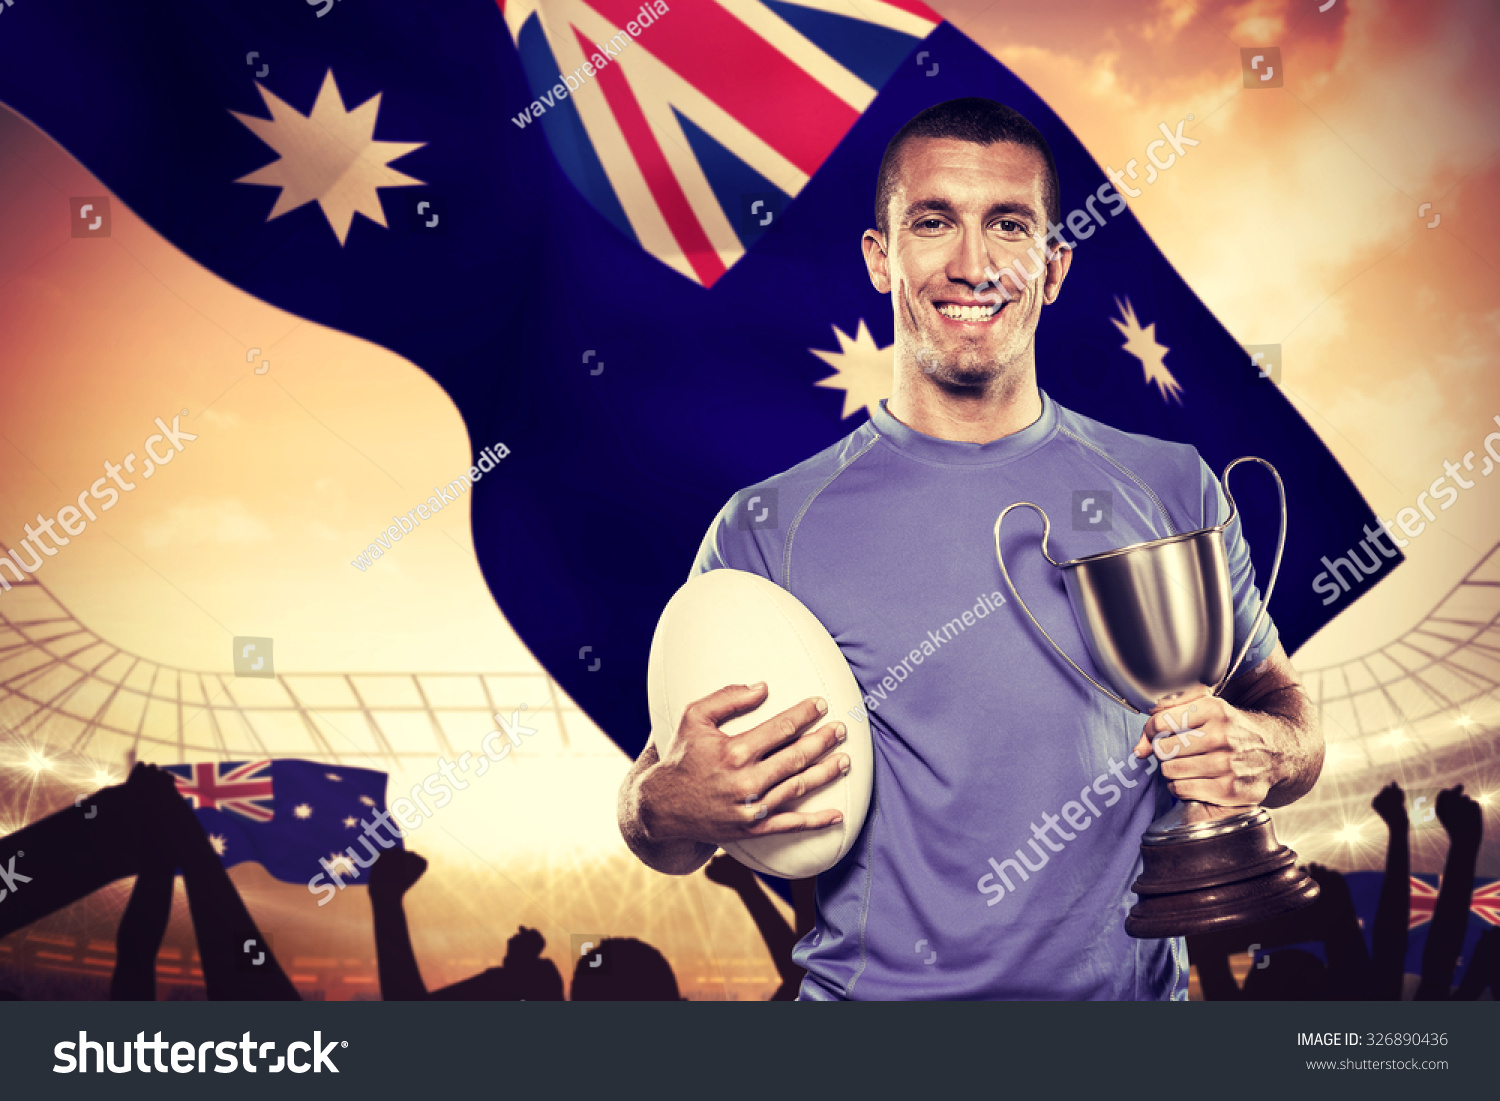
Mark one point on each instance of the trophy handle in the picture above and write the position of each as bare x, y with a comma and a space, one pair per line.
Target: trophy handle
1265, 602
1046, 531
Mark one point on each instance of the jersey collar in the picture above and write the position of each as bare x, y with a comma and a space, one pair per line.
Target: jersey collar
955, 452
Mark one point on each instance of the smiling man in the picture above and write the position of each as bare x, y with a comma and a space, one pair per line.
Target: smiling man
1009, 796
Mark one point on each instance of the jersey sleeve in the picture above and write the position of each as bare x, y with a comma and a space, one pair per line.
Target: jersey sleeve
1247, 595
728, 545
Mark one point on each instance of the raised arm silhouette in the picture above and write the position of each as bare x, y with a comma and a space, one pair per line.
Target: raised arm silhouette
143, 827
393, 875
523, 975
238, 964
1393, 911
1464, 820
142, 926
779, 936
1348, 977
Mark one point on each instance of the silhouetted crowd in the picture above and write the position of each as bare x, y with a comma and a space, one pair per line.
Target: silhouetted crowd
1350, 970
167, 840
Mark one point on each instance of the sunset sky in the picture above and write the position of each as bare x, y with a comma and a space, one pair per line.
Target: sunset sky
1296, 219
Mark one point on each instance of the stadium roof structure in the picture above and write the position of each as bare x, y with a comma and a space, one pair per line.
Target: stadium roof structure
63, 685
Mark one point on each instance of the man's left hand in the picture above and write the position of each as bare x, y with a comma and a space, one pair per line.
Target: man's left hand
1213, 752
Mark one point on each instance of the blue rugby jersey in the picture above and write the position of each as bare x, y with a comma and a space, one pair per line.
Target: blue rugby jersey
1003, 836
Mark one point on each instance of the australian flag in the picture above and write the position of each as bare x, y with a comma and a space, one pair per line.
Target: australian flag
1484, 913
623, 237
286, 815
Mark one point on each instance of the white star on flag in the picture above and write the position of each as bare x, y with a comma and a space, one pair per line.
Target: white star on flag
339, 864
329, 156
865, 370
1141, 343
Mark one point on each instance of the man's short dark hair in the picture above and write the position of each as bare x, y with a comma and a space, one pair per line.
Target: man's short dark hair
982, 121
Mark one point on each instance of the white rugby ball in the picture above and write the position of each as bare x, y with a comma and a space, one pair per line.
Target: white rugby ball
731, 627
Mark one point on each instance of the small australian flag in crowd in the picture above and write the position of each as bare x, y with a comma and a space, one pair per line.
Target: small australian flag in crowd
286, 815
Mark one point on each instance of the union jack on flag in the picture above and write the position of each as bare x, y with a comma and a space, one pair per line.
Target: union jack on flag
1423, 899
689, 127
243, 788
1485, 902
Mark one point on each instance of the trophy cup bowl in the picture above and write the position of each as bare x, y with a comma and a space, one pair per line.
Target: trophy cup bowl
1158, 620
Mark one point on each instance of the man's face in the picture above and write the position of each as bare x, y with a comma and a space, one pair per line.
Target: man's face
960, 214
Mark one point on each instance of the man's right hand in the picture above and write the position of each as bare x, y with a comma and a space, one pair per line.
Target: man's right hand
712, 787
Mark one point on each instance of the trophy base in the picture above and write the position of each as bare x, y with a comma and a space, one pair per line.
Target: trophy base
1201, 874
